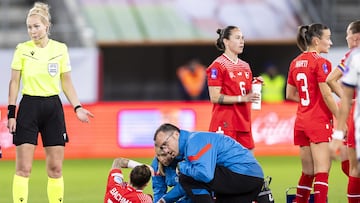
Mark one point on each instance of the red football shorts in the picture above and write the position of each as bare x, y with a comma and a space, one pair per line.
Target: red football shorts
244, 138
305, 137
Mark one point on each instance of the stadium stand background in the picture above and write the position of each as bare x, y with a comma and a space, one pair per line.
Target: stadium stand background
140, 43
68, 24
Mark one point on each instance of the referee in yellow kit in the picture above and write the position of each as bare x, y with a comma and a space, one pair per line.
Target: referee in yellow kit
42, 64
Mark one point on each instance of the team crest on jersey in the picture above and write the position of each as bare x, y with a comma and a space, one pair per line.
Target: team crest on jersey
231, 75
247, 75
214, 73
325, 68
53, 69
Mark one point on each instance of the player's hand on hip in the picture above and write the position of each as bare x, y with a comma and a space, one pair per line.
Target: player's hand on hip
83, 115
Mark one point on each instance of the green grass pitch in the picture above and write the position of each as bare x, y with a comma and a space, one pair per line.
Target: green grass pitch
85, 179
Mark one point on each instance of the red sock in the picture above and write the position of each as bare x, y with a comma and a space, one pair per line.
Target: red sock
345, 167
353, 190
321, 187
304, 188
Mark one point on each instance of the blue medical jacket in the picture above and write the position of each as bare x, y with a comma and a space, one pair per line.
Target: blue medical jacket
203, 151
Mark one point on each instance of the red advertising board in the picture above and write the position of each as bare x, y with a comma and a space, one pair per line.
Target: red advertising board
127, 128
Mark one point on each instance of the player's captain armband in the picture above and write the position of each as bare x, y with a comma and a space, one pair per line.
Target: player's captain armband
338, 135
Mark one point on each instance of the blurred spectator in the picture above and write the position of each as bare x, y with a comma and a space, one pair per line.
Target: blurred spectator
274, 84
192, 79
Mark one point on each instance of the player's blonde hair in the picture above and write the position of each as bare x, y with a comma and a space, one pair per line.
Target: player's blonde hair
161, 170
42, 10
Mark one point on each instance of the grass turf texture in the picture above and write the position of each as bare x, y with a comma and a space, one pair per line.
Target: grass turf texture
85, 179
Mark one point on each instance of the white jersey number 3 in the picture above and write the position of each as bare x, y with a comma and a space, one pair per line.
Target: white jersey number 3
304, 88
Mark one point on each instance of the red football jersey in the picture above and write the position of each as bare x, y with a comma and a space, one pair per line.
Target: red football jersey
306, 72
234, 79
118, 191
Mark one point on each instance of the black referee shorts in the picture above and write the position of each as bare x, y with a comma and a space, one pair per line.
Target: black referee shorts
42, 115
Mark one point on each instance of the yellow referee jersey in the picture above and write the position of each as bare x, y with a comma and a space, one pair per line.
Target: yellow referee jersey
41, 67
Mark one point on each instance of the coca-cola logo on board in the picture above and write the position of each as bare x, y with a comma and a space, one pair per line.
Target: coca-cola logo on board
273, 129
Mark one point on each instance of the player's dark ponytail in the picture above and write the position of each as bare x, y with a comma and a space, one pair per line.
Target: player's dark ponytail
301, 37
223, 34
219, 42
307, 32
